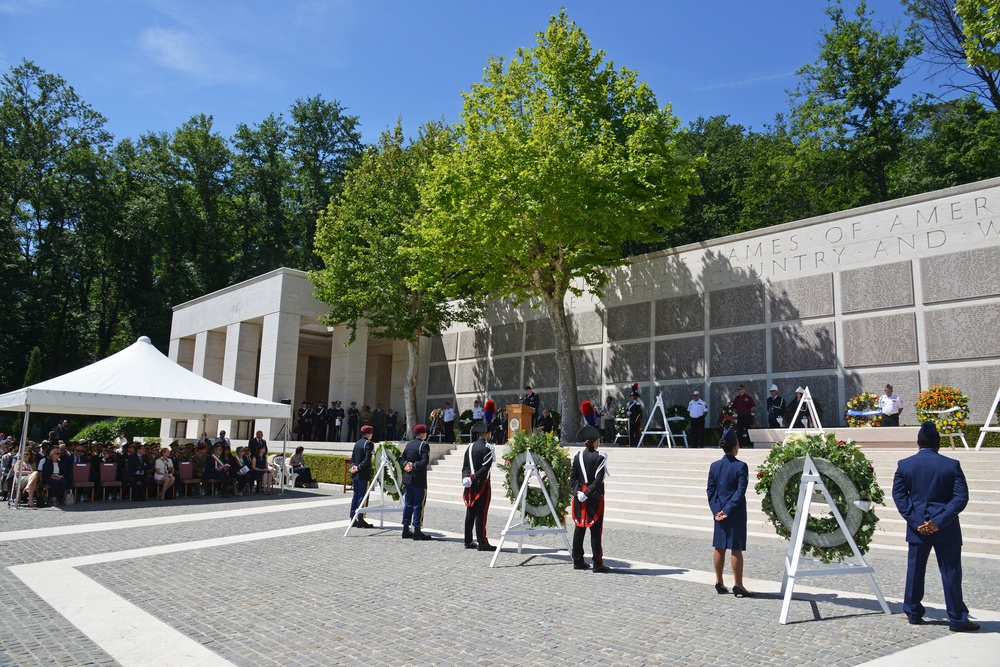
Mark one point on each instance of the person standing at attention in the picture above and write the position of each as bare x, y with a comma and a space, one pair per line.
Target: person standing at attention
775, 409
727, 497
586, 482
477, 490
416, 458
744, 405
891, 407
930, 491
696, 411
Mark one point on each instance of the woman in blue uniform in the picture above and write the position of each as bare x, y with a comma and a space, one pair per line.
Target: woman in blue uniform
727, 496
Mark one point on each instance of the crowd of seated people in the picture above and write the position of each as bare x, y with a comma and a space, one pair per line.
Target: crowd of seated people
140, 472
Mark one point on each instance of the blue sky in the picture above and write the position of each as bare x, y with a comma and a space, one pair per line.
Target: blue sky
151, 64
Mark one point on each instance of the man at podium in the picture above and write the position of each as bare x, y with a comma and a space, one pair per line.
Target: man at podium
531, 399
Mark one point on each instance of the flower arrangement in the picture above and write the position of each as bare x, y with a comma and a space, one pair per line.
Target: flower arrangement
543, 446
863, 402
727, 418
846, 456
938, 398
393, 453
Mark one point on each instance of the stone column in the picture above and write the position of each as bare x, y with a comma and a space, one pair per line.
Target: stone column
279, 351
182, 353
239, 368
209, 353
348, 365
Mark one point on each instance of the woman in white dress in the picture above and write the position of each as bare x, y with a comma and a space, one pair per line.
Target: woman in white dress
163, 473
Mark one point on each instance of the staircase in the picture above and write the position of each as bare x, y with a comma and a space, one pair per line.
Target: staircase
666, 487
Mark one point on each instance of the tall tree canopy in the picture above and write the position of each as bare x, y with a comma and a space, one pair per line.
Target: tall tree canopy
361, 240
562, 161
981, 20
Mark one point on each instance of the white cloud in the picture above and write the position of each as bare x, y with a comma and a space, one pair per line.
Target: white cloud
21, 6
192, 54
745, 82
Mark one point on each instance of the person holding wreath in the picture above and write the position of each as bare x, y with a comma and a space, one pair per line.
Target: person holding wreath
586, 482
727, 497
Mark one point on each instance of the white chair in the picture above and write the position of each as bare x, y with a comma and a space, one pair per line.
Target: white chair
282, 473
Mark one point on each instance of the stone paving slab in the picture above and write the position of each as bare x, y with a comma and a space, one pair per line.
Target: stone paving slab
319, 598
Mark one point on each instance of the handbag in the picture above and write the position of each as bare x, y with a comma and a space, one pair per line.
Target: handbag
68, 498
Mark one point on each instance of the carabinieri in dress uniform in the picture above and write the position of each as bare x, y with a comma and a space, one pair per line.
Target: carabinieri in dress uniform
586, 482
416, 458
477, 490
361, 473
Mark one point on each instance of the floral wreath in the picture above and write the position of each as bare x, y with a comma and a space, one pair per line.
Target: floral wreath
542, 446
677, 411
727, 418
866, 401
851, 461
935, 399
393, 453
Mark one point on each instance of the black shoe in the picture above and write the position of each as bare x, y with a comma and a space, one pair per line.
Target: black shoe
916, 621
721, 589
581, 565
420, 536
471, 545
740, 593
971, 626
601, 568
361, 523
406, 533
486, 547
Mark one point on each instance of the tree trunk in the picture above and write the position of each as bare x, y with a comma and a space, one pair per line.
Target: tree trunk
564, 363
410, 388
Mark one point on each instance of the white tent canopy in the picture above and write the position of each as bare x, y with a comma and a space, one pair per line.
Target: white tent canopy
139, 381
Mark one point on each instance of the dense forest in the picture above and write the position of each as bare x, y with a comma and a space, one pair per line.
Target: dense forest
100, 237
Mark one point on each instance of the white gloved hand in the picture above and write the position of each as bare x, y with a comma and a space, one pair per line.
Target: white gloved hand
581, 496
466, 482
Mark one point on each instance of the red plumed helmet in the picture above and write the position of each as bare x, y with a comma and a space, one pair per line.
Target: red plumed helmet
587, 408
490, 406
635, 386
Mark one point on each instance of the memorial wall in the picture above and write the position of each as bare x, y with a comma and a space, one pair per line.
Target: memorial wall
905, 292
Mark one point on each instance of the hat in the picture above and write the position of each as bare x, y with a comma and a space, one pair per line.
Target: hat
928, 436
588, 433
480, 427
696, 393
354, 402
635, 393
527, 387
800, 390
729, 437
367, 430
419, 429
774, 387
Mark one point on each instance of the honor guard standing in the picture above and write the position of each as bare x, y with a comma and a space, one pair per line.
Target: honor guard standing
586, 483
302, 420
891, 407
775, 408
477, 491
353, 415
633, 411
416, 458
361, 473
744, 406
696, 411
336, 422
531, 399
319, 422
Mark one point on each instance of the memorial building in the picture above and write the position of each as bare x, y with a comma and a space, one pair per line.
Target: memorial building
905, 292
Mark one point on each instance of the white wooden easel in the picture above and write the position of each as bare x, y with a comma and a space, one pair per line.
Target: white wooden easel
666, 434
951, 436
807, 401
986, 428
811, 482
387, 465
522, 527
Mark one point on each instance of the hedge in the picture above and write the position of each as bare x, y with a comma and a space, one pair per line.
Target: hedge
327, 468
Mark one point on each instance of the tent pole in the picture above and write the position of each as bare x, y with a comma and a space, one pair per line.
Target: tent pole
16, 488
284, 461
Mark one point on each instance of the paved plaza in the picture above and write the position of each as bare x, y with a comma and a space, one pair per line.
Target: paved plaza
273, 581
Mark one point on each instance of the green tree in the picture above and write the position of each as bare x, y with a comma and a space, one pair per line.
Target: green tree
361, 240
562, 161
981, 25
843, 111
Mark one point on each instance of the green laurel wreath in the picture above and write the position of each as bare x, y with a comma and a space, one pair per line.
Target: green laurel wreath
392, 450
541, 445
849, 458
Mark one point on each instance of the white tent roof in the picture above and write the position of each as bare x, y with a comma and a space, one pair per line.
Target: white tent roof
139, 381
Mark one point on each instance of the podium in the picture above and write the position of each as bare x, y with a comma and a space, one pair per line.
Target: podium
519, 418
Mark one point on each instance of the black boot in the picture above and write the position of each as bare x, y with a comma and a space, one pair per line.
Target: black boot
406, 533
486, 547
420, 536
580, 565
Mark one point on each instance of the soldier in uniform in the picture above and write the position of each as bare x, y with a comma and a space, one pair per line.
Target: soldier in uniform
319, 422
477, 492
775, 408
336, 422
361, 473
353, 415
416, 458
302, 420
633, 412
586, 482
531, 399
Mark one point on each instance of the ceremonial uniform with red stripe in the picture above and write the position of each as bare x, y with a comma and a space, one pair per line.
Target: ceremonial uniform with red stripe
587, 477
477, 465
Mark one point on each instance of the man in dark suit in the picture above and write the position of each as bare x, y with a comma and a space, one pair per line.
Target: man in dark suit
531, 399
54, 477
415, 459
361, 474
256, 442
929, 491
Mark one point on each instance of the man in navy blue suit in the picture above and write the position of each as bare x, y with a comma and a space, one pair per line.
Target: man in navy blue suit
929, 491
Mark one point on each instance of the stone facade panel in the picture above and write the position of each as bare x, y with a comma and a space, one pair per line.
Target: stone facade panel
506, 338
506, 374
471, 377
680, 314
968, 332
472, 343
538, 335
586, 328
876, 287
801, 298
906, 384
540, 370
979, 383
441, 380
628, 322
880, 341
803, 347
737, 306
444, 348
721, 393
740, 353
680, 358
627, 363
588, 366
961, 275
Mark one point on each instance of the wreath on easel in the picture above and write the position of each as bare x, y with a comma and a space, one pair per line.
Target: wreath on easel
936, 404
393, 454
554, 464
